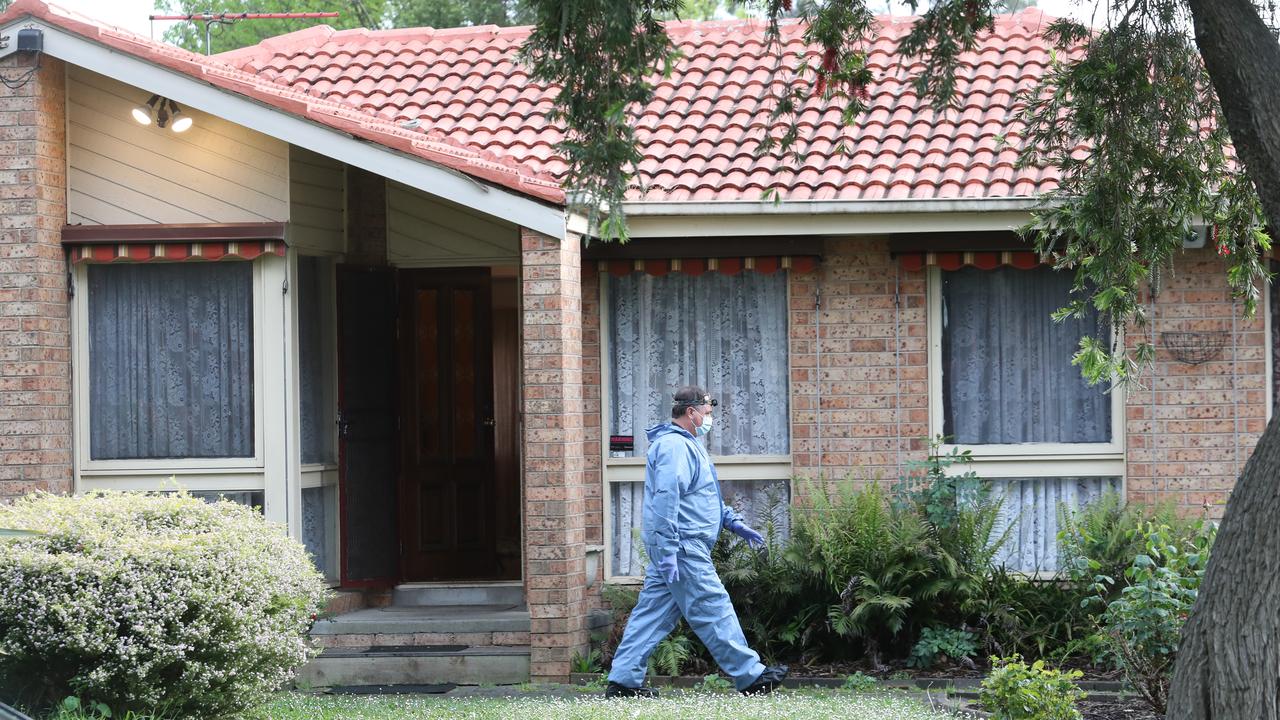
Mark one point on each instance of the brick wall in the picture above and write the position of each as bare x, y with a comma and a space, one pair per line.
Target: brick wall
874, 402
1191, 429
555, 494
35, 350
867, 388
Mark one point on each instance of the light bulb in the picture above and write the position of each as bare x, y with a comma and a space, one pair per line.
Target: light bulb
141, 114
182, 124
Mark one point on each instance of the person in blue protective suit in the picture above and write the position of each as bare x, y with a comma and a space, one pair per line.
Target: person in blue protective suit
683, 514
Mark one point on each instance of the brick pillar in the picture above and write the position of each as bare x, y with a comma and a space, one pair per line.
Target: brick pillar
366, 218
555, 505
35, 345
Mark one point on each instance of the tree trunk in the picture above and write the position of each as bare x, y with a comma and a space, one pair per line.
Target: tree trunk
1229, 660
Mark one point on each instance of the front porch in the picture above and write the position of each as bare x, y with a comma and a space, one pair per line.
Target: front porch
430, 635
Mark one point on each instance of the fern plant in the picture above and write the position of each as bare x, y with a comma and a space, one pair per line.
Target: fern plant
672, 653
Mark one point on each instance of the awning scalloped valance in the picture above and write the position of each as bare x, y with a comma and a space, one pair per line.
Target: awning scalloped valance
173, 242
177, 252
988, 260
698, 266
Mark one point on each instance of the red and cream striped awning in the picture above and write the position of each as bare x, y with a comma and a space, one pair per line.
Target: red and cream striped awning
983, 260
698, 266
173, 243
173, 252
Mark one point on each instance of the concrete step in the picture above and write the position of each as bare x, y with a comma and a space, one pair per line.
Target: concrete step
421, 665
479, 593
407, 620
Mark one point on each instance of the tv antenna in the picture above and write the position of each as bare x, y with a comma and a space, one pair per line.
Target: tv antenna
210, 19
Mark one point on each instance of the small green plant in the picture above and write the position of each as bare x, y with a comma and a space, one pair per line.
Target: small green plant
937, 643
714, 683
900, 675
859, 682
672, 653
73, 706
930, 484
1017, 691
1143, 626
596, 684
586, 664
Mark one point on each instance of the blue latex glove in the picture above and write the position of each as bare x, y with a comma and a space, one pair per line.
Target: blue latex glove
669, 569
753, 538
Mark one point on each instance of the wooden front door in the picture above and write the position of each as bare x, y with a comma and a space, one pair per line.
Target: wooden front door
447, 476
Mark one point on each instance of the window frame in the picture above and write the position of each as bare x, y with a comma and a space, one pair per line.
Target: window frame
624, 470
82, 413
1009, 459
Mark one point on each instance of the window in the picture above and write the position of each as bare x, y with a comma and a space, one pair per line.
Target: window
315, 371
1005, 388
726, 333
171, 361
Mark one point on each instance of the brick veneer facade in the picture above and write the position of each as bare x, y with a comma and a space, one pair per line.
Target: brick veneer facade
555, 494
873, 403
860, 407
35, 350
1191, 428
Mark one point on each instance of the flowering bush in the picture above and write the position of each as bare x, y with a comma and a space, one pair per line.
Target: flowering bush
159, 604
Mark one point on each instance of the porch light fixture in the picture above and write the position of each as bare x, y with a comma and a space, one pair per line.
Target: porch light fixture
162, 111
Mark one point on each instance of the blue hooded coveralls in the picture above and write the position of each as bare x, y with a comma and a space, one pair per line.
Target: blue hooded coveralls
683, 514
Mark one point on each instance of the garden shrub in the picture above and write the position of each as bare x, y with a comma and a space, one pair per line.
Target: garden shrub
901, 561
1034, 617
1099, 541
1017, 691
1143, 626
164, 605
781, 601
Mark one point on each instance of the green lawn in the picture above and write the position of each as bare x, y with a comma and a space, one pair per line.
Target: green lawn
806, 705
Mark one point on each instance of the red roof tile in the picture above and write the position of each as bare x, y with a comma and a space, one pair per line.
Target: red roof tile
701, 130
348, 115
480, 113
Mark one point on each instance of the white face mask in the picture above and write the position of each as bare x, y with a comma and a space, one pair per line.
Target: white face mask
705, 427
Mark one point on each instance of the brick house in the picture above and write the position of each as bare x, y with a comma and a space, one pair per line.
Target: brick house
348, 292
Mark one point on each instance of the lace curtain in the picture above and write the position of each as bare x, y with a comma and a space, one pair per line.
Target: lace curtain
763, 504
314, 426
1029, 516
1007, 375
171, 360
726, 333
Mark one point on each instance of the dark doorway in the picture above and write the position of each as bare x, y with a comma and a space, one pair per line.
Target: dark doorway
452, 512
367, 425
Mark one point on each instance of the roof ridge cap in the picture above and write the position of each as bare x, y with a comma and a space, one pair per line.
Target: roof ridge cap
281, 44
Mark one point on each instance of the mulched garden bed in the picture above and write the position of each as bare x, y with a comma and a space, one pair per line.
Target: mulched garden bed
1128, 707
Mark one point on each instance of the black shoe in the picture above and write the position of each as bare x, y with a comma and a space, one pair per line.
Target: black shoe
616, 690
769, 679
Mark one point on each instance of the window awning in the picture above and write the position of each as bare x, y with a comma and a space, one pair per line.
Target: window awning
982, 260
698, 266
173, 243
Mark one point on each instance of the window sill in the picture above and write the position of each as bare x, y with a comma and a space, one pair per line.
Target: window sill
730, 467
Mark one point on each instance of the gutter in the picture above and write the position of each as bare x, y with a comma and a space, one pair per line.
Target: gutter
831, 207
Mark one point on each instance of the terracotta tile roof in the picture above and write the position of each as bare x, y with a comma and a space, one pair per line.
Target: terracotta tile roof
334, 111
701, 132
479, 113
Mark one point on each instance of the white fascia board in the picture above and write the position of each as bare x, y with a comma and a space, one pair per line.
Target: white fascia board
805, 217
442, 182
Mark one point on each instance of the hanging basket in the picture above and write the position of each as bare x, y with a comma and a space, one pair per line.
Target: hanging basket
1194, 348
